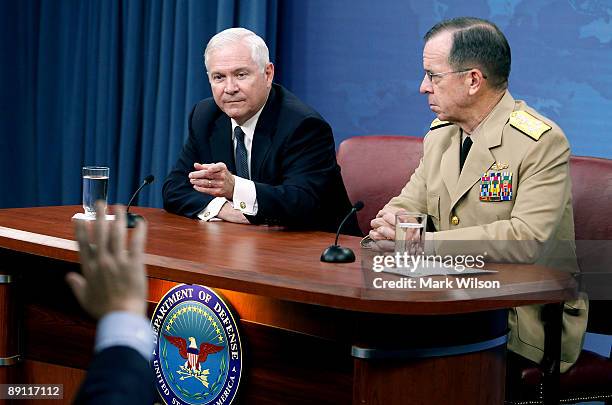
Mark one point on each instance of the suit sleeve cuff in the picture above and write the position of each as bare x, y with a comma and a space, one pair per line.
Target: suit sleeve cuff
212, 209
245, 196
125, 329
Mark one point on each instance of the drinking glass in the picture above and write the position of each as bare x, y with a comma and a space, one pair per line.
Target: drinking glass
95, 187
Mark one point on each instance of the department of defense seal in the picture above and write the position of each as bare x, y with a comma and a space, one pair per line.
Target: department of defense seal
198, 355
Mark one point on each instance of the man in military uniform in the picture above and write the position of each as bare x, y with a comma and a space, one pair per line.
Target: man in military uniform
493, 170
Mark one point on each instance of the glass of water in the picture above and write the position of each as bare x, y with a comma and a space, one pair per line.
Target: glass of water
410, 231
95, 187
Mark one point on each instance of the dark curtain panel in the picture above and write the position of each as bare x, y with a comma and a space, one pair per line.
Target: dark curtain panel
104, 82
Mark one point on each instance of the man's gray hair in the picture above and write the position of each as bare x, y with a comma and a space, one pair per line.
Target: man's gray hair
259, 49
477, 42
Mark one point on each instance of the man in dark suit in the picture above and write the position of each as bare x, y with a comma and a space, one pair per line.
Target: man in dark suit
113, 288
255, 153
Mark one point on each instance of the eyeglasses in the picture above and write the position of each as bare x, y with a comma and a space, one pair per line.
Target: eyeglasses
431, 76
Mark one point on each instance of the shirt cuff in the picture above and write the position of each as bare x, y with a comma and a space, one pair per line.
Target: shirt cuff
122, 328
245, 196
212, 209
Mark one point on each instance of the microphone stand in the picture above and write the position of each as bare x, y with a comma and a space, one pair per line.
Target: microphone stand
339, 254
131, 219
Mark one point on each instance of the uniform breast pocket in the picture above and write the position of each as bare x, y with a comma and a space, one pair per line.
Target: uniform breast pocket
494, 211
433, 210
502, 210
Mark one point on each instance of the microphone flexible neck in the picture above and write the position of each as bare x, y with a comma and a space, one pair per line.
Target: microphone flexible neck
351, 212
144, 183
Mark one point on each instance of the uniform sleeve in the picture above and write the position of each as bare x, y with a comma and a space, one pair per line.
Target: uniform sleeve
413, 197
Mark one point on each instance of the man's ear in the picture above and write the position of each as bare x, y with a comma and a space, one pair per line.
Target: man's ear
269, 73
476, 80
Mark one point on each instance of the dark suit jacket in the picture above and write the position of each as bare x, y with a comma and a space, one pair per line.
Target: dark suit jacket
118, 375
293, 165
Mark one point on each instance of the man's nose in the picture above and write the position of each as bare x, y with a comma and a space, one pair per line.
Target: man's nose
231, 86
426, 86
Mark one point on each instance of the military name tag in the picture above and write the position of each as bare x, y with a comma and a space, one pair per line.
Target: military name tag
496, 186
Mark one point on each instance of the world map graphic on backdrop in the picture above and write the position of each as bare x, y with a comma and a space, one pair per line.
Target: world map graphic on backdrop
561, 63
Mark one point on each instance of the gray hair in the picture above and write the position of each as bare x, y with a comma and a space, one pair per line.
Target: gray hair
259, 50
480, 42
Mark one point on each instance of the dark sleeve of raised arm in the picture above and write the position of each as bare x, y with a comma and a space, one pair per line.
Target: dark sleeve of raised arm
117, 375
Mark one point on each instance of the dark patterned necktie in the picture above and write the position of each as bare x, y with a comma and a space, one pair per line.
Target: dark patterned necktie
242, 162
465, 149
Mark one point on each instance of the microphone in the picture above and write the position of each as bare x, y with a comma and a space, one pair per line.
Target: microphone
339, 254
132, 218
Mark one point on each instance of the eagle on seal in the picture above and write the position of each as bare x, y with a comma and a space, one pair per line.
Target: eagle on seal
191, 353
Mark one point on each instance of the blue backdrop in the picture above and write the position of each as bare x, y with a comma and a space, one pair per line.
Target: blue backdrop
111, 82
359, 62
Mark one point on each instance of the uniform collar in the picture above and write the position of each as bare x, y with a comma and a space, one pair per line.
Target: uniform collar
498, 117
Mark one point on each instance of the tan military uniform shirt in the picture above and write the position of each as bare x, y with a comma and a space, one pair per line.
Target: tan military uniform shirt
536, 153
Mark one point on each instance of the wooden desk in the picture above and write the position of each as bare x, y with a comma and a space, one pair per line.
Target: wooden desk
312, 332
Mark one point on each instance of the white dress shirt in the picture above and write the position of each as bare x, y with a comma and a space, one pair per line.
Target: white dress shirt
122, 328
245, 195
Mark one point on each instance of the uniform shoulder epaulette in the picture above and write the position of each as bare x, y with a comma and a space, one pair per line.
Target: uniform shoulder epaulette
528, 124
439, 124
